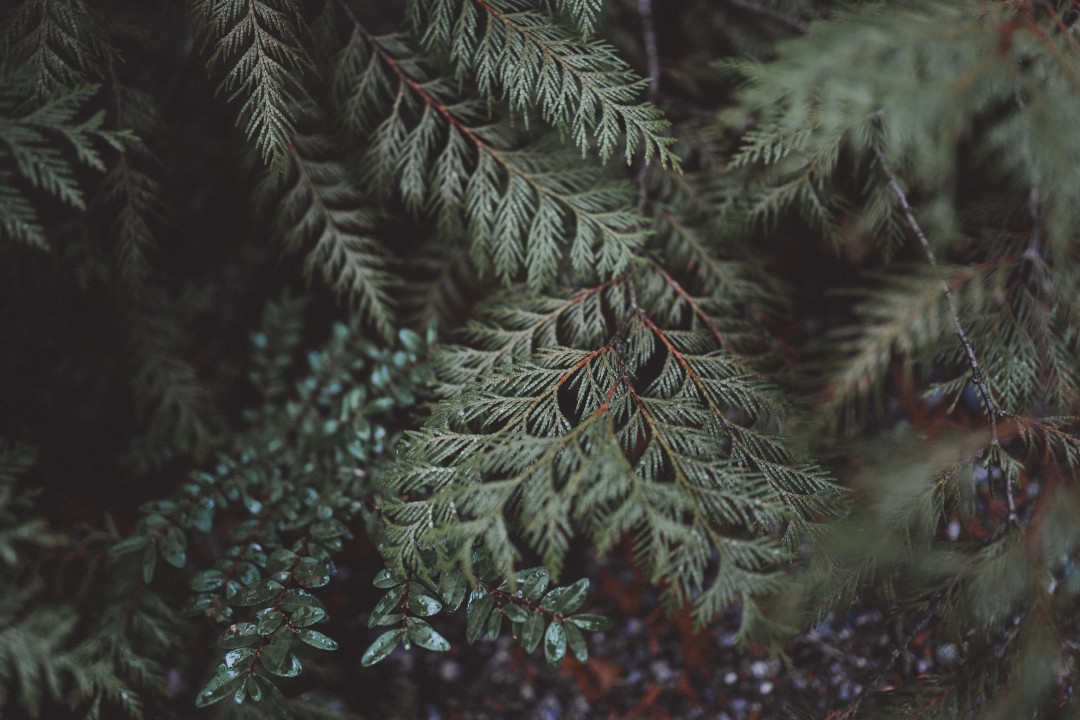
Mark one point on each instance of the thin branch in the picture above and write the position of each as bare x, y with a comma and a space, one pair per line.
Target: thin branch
648, 32
414, 85
993, 412
879, 678
694, 305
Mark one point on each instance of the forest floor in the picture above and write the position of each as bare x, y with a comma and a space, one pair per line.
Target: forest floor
648, 666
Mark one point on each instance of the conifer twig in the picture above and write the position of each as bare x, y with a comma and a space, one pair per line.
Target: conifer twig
992, 410
694, 305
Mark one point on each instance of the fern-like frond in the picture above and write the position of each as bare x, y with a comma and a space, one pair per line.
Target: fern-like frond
318, 206
131, 196
32, 147
916, 80
59, 42
619, 429
260, 40
169, 396
524, 208
515, 50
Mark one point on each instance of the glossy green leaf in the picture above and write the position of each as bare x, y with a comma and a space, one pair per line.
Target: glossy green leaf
269, 621
573, 597
480, 603
386, 579
412, 342
533, 582
294, 599
531, 631
453, 586
554, 644
254, 690
327, 529
425, 636
281, 560
424, 605
129, 545
221, 686
240, 658
246, 573
258, 593
494, 624
172, 545
239, 635
552, 598
576, 641
515, 612
316, 639
291, 668
275, 653
311, 573
382, 647
388, 602
594, 623
305, 616
204, 602
392, 619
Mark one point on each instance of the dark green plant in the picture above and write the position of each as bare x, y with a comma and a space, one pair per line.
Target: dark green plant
613, 272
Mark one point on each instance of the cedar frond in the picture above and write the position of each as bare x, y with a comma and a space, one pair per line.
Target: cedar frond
524, 208
624, 434
58, 42
319, 206
260, 40
515, 50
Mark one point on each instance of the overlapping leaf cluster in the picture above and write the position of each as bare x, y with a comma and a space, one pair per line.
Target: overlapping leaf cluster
528, 208
301, 473
608, 411
525, 601
516, 50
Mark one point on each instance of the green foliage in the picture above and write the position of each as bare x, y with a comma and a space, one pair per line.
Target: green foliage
525, 602
874, 219
58, 41
40, 657
522, 208
515, 50
584, 410
318, 204
301, 472
29, 152
919, 81
946, 125
260, 41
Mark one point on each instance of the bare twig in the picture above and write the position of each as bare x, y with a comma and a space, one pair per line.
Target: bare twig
774, 15
993, 412
652, 54
648, 33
